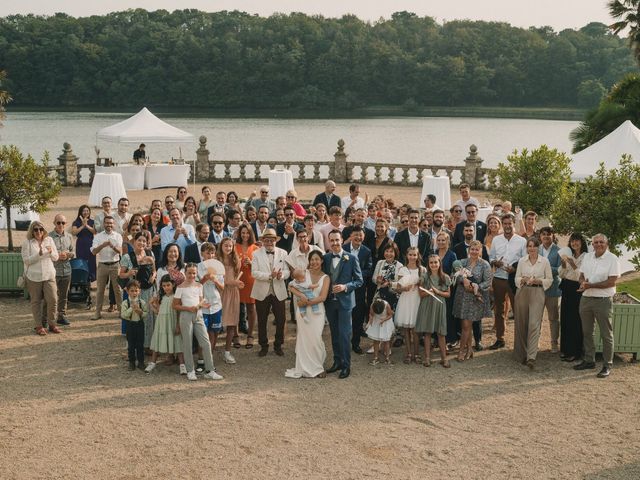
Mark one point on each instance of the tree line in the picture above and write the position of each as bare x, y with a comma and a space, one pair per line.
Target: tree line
223, 60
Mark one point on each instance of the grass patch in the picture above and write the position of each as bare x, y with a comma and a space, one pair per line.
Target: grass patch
632, 287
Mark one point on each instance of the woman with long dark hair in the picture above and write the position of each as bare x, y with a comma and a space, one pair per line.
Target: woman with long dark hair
83, 229
570, 322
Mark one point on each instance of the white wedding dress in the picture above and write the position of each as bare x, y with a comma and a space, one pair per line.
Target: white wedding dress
310, 351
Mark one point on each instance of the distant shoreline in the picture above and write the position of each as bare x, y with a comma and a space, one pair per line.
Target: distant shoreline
537, 113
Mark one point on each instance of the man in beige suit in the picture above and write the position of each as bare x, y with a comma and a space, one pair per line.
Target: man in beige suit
270, 270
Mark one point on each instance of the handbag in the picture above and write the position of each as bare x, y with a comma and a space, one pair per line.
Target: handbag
20, 282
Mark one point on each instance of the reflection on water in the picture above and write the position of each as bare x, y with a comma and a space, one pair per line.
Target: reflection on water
439, 141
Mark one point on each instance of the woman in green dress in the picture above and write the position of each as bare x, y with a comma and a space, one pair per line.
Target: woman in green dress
432, 312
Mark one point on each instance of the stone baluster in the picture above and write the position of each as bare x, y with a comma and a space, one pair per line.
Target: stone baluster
243, 178
301, 172
405, 176
316, 172
378, 173
227, 171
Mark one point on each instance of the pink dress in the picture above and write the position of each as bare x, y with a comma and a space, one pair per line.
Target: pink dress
230, 299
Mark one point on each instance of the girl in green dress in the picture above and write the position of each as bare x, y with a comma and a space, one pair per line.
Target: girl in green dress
432, 312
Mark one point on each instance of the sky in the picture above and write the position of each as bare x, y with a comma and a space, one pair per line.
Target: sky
559, 14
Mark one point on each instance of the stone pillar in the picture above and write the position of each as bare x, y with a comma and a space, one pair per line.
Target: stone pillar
472, 165
202, 161
340, 165
69, 163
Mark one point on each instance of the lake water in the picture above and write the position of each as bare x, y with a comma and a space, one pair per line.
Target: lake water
437, 141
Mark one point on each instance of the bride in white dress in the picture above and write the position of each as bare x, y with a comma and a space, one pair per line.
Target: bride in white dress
310, 350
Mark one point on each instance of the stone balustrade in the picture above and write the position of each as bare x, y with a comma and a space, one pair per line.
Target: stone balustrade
342, 170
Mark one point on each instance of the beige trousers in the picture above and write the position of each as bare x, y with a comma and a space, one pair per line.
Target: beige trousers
40, 292
528, 309
103, 273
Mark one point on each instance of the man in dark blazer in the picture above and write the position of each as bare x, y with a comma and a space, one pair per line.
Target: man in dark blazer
192, 252
358, 222
328, 197
286, 230
462, 251
261, 223
217, 229
480, 227
412, 236
343, 269
359, 313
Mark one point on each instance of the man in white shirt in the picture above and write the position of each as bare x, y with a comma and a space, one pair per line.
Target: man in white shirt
298, 258
107, 247
467, 199
598, 275
262, 222
335, 223
506, 250
179, 233
353, 200
99, 218
122, 216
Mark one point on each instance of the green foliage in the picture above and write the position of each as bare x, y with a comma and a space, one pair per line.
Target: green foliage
193, 59
606, 202
4, 95
590, 92
533, 180
621, 103
25, 183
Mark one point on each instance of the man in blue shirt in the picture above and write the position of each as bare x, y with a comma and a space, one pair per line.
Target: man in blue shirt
179, 233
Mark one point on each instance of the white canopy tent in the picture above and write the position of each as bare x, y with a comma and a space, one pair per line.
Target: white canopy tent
623, 140
144, 127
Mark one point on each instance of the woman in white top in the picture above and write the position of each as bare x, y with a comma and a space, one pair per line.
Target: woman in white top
571, 347
171, 265
533, 277
38, 254
191, 214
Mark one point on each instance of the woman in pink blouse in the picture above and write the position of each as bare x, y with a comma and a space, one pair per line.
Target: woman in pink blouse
38, 254
292, 200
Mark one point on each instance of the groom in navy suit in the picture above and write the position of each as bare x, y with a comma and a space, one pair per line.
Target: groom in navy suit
344, 270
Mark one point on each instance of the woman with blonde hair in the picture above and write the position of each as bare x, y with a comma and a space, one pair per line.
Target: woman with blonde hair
494, 228
38, 254
292, 201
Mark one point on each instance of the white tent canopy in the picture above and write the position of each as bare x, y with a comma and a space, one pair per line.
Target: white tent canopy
623, 140
144, 127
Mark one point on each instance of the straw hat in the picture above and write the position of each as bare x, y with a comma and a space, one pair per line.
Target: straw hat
269, 233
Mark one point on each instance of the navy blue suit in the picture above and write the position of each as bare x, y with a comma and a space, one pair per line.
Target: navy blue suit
339, 306
359, 313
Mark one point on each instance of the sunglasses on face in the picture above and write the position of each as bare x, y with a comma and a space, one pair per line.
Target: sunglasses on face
61, 223
290, 196
457, 211
289, 214
38, 229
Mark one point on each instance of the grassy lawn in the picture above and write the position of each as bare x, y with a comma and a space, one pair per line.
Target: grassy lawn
632, 287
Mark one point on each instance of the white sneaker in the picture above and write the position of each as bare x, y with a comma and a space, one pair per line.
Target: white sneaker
212, 375
192, 376
150, 367
228, 358
183, 369
370, 350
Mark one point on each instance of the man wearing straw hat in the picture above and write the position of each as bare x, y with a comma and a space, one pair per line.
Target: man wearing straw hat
270, 270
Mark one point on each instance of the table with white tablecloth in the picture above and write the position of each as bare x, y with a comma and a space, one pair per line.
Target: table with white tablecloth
132, 175
280, 181
106, 185
16, 216
159, 176
438, 186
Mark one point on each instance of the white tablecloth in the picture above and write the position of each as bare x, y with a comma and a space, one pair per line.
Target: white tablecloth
132, 175
158, 176
483, 213
16, 215
106, 185
438, 186
279, 182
